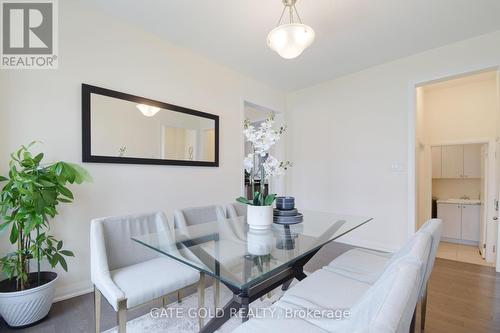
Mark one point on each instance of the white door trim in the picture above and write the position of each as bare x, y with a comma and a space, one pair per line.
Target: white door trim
489, 198
412, 112
280, 147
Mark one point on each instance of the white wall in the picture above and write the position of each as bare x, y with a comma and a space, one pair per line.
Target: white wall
463, 112
97, 49
361, 128
3, 125
447, 188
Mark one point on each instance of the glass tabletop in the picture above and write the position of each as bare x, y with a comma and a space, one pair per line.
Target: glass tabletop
240, 256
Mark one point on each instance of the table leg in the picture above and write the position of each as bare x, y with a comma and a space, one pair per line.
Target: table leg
245, 304
201, 298
286, 285
300, 275
217, 287
229, 309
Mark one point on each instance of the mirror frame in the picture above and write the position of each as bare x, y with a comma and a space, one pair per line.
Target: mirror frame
87, 156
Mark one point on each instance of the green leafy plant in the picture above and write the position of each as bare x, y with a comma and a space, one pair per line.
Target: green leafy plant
27, 201
259, 199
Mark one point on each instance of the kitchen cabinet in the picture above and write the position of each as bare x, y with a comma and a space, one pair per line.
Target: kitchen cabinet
436, 161
456, 161
451, 215
470, 222
472, 161
452, 163
460, 221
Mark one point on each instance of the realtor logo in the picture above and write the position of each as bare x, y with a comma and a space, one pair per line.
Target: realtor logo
29, 34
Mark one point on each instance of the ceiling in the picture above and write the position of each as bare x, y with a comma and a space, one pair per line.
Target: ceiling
351, 35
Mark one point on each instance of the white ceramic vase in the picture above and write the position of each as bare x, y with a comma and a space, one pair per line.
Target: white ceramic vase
21, 308
259, 242
259, 217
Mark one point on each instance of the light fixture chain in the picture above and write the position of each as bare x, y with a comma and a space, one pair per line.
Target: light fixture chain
297, 12
281, 17
291, 9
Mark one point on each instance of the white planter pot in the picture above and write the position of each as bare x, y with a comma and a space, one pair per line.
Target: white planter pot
21, 308
259, 217
259, 242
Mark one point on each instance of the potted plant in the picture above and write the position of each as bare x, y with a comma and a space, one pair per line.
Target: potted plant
27, 202
261, 165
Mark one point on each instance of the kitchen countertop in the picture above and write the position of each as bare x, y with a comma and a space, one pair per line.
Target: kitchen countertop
460, 201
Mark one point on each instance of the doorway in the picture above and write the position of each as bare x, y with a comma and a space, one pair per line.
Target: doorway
256, 114
457, 123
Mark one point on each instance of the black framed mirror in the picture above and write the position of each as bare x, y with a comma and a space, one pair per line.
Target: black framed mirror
123, 128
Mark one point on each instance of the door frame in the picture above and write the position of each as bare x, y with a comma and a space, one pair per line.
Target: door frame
277, 183
412, 123
488, 200
485, 165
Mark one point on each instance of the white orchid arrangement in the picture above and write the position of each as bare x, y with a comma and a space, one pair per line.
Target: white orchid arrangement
260, 163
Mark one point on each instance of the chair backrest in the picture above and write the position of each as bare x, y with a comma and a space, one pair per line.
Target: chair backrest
433, 227
236, 209
419, 246
116, 232
197, 215
389, 304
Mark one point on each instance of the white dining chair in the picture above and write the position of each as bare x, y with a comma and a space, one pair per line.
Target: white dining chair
129, 274
387, 306
236, 210
190, 216
183, 218
367, 265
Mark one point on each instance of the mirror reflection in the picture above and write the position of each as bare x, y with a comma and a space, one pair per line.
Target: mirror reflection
129, 129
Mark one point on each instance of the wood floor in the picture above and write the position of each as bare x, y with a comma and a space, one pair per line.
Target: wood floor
463, 298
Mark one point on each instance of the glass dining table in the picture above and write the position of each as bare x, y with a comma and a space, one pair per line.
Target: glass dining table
250, 262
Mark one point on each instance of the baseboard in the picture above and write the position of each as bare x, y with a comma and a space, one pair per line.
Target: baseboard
73, 290
368, 244
459, 241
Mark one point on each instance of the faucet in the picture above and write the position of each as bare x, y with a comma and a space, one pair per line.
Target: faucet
465, 197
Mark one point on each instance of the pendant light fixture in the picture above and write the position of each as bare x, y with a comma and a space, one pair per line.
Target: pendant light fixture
148, 110
290, 39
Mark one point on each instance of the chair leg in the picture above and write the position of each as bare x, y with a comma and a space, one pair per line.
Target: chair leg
216, 294
122, 316
201, 298
164, 301
97, 309
413, 319
423, 310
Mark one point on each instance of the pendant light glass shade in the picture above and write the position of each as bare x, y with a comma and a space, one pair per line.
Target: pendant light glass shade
290, 40
148, 110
